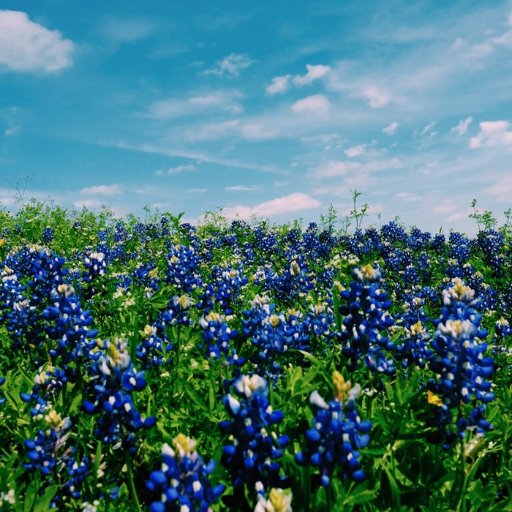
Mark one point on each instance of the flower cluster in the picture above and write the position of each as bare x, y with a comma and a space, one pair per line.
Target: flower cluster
182, 268
217, 336
272, 333
460, 366
182, 484
365, 318
57, 462
113, 380
337, 434
252, 455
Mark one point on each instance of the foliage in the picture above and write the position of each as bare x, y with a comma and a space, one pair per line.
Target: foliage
154, 365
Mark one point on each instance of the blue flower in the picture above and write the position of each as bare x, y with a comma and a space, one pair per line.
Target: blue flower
336, 434
461, 367
255, 447
365, 322
183, 482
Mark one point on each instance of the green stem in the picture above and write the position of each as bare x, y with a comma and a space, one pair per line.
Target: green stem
306, 487
461, 505
131, 483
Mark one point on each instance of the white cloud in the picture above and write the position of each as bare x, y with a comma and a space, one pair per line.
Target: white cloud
278, 85
14, 130
355, 150
196, 190
492, 133
428, 128
258, 131
377, 97
221, 101
336, 168
292, 203
391, 128
407, 196
444, 207
104, 190
30, 47
127, 31
230, 66
241, 188
313, 73
317, 104
462, 126
180, 168
502, 188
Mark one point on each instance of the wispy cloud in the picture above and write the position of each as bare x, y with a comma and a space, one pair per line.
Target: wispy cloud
314, 72
492, 133
196, 190
200, 104
288, 204
13, 130
316, 104
241, 188
462, 126
391, 128
280, 84
501, 189
334, 168
230, 66
355, 150
377, 96
178, 169
127, 30
27, 46
104, 190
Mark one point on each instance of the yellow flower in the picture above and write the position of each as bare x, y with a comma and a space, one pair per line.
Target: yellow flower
184, 445
434, 399
341, 388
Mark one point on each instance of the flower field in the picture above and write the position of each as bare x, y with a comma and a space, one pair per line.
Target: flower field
155, 365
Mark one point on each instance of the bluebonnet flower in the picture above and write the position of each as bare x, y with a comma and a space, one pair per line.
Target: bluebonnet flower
69, 326
95, 264
183, 482
460, 366
293, 282
217, 336
365, 321
2, 398
223, 289
113, 380
183, 268
393, 233
55, 459
28, 277
48, 235
336, 434
178, 311
155, 346
277, 501
273, 334
459, 247
252, 455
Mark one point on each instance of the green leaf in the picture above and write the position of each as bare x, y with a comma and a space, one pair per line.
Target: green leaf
43, 502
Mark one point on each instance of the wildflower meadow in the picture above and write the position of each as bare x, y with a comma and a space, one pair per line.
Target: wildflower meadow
149, 364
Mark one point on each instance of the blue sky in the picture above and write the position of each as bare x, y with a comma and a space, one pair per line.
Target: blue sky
275, 109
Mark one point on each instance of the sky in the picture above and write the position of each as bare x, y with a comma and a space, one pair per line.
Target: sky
274, 109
